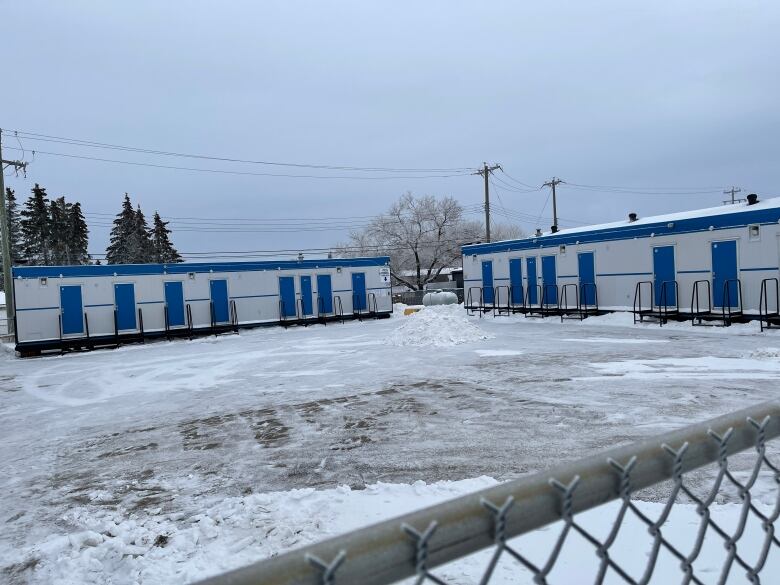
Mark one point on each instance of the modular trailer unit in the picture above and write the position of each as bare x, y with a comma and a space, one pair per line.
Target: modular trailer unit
84, 306
722, 259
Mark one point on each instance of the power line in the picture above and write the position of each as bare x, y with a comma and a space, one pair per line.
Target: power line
102, 145
250, 173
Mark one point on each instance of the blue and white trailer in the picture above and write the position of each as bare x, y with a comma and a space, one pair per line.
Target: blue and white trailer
717, 263
87, 306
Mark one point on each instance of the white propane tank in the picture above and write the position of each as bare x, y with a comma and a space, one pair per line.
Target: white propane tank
439, 297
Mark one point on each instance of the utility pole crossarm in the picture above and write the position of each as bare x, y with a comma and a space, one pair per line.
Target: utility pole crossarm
733, 191
486, 171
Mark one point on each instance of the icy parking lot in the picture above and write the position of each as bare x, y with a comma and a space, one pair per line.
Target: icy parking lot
174, 460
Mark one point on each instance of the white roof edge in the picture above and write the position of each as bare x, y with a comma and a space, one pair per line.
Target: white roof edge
771, 203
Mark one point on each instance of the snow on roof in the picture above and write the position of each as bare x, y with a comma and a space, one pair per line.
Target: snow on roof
706, 212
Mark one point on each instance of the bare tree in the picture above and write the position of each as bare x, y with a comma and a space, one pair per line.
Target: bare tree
422, 236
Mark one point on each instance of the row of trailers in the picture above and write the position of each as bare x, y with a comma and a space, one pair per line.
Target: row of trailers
75, 307
713, 266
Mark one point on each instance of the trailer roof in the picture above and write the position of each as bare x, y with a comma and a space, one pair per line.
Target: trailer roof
711, 218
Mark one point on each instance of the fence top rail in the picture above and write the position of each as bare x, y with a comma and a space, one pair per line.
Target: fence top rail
384, 552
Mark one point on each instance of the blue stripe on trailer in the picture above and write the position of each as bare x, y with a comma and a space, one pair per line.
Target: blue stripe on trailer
41, 309
195, 267
761, 269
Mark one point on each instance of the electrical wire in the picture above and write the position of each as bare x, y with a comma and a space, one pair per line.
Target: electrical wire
102, 145
249, 173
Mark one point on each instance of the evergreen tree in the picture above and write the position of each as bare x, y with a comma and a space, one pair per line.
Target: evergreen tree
14, 237
14, 229
163, 251
143, 239
35, 227
119, 250
78, 235
59, 247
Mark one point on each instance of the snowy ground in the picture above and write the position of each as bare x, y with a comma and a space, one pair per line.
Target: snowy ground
171, 461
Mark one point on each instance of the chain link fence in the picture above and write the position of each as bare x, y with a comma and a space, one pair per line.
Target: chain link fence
420, 545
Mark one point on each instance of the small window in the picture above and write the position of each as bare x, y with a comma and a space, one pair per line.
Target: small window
191, 275
562, 249
754, 233
43, 281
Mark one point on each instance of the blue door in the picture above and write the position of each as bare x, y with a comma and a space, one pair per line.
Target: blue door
549, 281
219, 301
71, 310
587, 271
306, 295
358, 291
174, 302
663, 271
324, 293
124, 302
287, 306
516, 280
487, 282
725, 292
530, 272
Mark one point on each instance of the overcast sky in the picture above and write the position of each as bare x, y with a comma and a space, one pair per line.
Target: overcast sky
657, 95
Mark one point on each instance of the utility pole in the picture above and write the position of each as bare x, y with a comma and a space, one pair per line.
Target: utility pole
733, 191
486, 171
552, 183
5, 237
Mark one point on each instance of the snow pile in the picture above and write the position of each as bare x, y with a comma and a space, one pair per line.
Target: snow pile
441, 326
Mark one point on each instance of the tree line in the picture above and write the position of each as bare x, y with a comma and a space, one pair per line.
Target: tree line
53, 232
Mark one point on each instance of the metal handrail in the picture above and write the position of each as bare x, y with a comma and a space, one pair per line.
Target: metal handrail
340, 306
563, 300
234, 315
497, 300
696, 311
512, 289
189, 319
585, 286
663, 302
167, 322
86, 326
638, 306
763, 303
355, 309
470, 301
389, 551
726, 308
141, 324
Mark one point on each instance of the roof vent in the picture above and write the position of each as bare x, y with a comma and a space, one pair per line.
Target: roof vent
553, 228
538, 232
752, 199
632, 217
